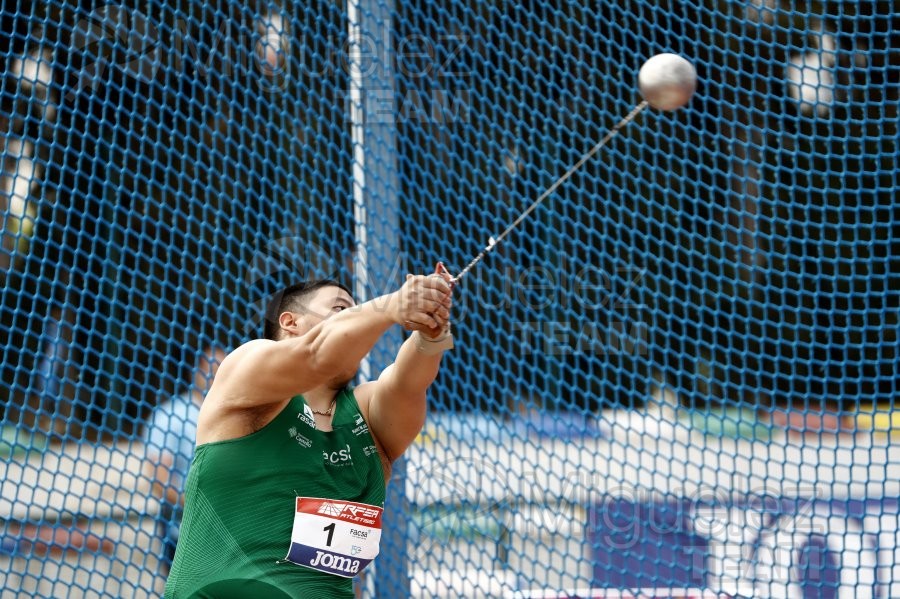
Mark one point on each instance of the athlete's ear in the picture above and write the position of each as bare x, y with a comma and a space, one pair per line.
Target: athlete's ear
290, 322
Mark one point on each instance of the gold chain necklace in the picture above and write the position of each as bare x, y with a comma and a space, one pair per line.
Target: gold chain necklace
329, 410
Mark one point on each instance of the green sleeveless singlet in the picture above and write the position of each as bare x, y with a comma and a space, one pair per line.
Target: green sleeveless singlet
240, 500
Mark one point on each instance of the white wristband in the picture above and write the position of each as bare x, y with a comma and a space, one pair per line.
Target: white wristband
431, 347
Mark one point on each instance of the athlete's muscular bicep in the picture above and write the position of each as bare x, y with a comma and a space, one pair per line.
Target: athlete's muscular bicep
264, 372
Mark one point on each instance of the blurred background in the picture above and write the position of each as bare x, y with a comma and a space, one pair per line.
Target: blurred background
719, 283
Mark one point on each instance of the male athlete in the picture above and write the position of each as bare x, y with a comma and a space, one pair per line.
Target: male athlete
285, 493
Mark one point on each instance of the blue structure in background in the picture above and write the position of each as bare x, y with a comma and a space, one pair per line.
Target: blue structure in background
736, 257
774, 543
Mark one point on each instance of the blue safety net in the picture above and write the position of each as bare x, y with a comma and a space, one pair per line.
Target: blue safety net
674, 378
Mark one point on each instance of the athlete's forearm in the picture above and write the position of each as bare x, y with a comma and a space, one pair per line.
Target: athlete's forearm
342, 341
414, 371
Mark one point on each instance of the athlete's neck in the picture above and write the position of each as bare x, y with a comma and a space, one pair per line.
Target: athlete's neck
320, 398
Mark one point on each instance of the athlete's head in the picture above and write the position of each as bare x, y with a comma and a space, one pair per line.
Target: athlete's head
296, 309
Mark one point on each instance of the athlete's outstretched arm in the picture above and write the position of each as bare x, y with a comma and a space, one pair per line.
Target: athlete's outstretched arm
262, 372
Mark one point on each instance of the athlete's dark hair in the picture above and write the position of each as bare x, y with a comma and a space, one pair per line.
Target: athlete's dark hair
293, 299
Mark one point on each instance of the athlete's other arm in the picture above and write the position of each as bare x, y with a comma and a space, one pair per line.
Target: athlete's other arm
397, 404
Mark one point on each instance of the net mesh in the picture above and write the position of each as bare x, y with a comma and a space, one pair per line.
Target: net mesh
676, 376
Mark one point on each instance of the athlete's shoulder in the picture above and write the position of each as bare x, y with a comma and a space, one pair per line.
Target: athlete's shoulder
255, 348
249, 347
362, 393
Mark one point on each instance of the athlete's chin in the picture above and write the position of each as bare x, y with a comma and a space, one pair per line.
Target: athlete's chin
344, 380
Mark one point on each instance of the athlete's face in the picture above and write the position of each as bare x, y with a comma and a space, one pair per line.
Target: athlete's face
316, 307
324, 303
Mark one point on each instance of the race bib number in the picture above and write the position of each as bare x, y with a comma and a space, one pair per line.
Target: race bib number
338, 537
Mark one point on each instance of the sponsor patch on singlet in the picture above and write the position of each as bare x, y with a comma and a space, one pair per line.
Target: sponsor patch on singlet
338, 537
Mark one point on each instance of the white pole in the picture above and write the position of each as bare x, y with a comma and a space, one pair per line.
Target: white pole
376, 212
358, 139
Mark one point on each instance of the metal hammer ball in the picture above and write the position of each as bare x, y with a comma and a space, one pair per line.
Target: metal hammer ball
667, 81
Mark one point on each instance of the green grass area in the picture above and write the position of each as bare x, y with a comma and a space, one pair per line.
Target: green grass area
449, 522
734, 423
16, 442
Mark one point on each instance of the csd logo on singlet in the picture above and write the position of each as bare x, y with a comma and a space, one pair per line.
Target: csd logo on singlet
339, 457
301, 440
